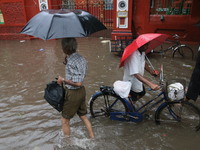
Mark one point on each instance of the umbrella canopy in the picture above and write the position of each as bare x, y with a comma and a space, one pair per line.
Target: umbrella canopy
53, 24
154, 40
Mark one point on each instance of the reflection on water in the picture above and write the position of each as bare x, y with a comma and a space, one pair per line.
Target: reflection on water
28, 122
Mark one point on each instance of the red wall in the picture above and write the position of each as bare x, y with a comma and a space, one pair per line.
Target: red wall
16, 13
181, 24
14, 18
32, 7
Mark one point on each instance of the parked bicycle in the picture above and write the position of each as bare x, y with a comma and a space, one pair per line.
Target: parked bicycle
177, 48
106, 103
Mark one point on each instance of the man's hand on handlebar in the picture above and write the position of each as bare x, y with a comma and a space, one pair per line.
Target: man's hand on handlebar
154, 87
154, 73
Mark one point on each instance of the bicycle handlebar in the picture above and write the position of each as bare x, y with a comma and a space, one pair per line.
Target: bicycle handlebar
176, 36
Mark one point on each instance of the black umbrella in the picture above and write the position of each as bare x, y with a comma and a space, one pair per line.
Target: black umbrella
53, 24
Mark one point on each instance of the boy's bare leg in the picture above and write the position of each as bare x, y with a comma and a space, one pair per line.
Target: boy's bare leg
88, 125
66, 126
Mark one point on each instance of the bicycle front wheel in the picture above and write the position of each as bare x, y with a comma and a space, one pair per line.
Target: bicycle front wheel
103, 104
183, 114
183, 51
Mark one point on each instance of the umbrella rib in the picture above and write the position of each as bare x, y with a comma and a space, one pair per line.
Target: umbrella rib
47, 37
84, 34
149, 62
38, 29
39, 26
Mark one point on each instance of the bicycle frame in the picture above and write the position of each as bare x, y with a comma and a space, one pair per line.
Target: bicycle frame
132, 108
134, 114
174, 45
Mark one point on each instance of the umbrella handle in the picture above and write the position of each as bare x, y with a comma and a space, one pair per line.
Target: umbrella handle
156, 73
161, 73
149, 62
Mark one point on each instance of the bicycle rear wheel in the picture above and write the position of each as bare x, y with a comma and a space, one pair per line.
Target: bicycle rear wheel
183, 114
183, 51
103, 104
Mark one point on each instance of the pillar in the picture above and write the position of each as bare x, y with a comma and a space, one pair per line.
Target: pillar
122, 18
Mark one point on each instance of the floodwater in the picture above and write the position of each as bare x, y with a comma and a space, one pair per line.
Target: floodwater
28, 122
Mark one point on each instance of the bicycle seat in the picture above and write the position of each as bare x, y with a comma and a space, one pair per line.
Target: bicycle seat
106, 89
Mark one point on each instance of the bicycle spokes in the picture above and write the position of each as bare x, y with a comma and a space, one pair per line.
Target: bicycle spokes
103, 105
183, 51
183, 114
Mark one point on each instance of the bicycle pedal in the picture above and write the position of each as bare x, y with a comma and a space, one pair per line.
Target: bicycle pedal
146, 116
135, 116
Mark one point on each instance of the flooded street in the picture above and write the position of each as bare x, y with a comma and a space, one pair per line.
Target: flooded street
28, 122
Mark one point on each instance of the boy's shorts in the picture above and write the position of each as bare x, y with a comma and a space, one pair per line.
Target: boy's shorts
74, 103
135, 95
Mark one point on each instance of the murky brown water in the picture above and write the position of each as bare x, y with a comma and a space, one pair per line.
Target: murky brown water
28, 122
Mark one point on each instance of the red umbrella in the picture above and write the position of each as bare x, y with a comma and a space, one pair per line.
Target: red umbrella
154, 40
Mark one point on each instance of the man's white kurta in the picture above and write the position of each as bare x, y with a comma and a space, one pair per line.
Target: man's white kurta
134, 64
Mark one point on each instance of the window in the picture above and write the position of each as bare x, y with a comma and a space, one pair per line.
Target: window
1, 18
68, 4
171, 7
108, 4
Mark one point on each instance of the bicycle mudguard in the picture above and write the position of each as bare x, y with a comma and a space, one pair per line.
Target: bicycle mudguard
95, 94
161, 105
165, 103
126, 116
182, 45
103, 90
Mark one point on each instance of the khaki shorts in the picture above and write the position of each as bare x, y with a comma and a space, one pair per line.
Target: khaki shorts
135, 95
74, 103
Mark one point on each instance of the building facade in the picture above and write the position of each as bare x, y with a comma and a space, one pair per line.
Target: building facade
135, 17
124, 17
14, 14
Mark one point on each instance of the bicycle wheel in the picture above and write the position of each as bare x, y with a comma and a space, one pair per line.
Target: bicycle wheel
158, 50
103, 105
183, 51
183, 114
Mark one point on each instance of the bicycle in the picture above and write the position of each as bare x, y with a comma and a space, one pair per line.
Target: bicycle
109, 104
178, 49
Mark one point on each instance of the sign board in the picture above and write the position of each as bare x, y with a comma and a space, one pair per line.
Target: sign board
1, 18
43, 4
122, 14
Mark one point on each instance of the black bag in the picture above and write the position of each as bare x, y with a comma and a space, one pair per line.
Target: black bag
54, 94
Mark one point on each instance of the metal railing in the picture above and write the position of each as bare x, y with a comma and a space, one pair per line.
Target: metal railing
100, 9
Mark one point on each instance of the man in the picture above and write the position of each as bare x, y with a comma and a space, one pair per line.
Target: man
194, 86
134, 70
74, 103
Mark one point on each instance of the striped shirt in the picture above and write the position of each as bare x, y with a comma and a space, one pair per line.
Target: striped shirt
75, 69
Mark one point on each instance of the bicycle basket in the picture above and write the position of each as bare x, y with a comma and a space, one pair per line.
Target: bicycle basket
176, 89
